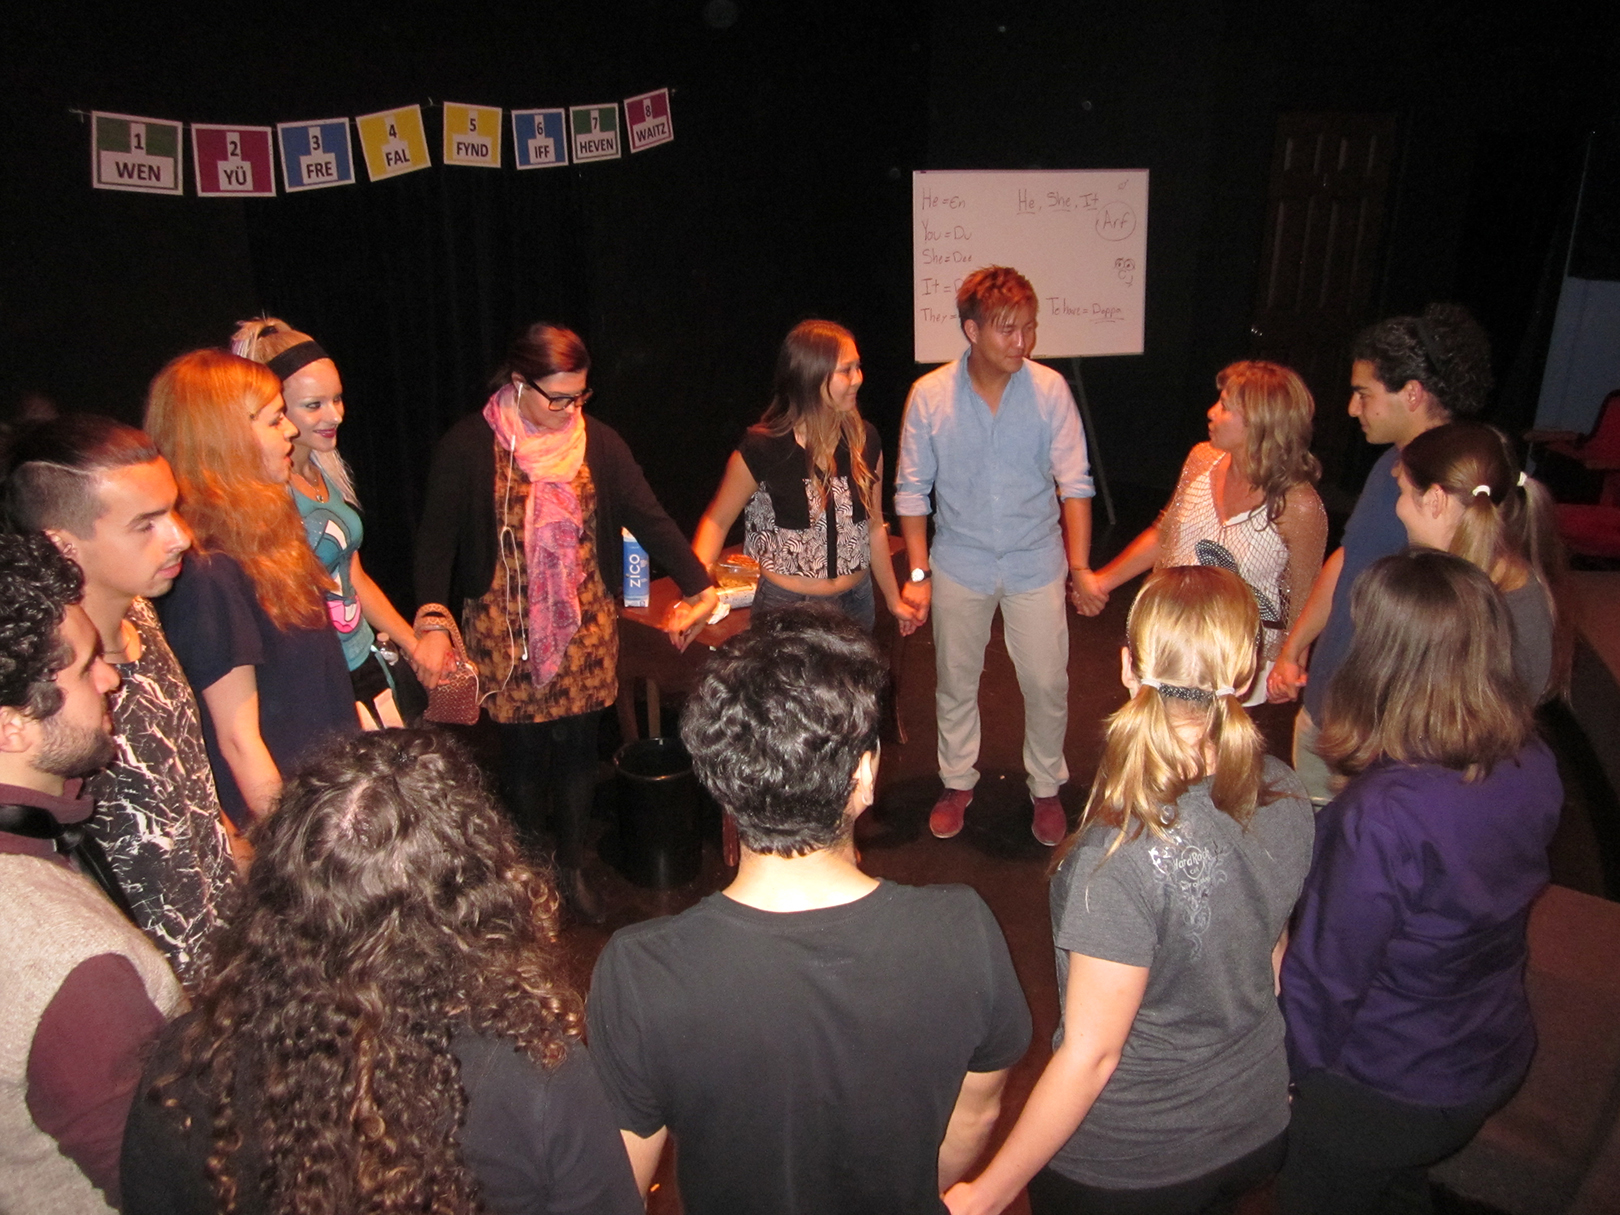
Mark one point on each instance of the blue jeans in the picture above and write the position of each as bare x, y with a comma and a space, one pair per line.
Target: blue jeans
856, 603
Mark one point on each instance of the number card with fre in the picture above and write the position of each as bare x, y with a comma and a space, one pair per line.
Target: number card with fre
393, 142
316, 154
540, 138
596, 131
233, 161
647, 118
137, 154
472, 135
1079, 237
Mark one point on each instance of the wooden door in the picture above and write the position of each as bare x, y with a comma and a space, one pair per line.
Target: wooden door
1324, 233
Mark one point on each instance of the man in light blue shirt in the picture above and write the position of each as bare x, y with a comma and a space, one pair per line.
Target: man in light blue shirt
996, 439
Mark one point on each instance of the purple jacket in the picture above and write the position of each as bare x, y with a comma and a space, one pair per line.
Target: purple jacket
1405, 972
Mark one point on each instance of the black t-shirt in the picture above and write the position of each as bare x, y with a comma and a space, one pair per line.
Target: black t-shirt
214, 624
539, 1142
807, 1061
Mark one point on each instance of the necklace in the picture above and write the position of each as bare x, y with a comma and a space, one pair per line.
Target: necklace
316, 483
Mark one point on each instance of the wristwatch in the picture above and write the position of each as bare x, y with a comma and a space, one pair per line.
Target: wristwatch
921, 575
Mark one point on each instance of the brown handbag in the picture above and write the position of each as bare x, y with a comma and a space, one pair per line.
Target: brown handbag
454, 700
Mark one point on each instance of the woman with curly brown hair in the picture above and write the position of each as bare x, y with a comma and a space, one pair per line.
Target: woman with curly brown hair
1245, 502
387, 1026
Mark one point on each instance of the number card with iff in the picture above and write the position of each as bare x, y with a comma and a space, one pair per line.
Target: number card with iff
233, 161
539, 138
472, 135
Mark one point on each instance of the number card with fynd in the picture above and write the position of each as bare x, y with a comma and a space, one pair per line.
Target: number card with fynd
393, 141
315, 154
137, 154
540, 138
472, 135
233, 161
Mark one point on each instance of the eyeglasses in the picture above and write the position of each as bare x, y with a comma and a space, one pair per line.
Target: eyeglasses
559, 402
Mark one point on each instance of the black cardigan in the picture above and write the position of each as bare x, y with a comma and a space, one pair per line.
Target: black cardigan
456, 544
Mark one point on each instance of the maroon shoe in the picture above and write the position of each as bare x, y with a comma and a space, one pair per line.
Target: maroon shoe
946, 818
1050, 824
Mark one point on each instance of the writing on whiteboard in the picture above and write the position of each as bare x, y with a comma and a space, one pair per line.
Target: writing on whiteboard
1079, 236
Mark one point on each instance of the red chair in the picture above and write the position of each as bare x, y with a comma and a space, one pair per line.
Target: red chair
1591, 530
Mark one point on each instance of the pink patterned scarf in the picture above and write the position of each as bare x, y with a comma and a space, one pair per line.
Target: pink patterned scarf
550, 460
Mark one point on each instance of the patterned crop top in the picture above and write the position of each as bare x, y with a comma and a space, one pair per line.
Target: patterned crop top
785, 528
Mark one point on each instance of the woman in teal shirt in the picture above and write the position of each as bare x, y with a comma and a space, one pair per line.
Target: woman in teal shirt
387, 691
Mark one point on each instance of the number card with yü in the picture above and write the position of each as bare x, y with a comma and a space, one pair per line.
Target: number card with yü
648, 119
315, 154
596, 131
394, 142
138, 154
472, 135
233, 161
540, 138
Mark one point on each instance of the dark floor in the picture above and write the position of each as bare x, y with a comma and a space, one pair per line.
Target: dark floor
995, 853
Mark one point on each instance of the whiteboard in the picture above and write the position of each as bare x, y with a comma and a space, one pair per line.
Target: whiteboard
1079, 237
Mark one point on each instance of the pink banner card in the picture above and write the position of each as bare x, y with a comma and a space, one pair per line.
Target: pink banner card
233, 161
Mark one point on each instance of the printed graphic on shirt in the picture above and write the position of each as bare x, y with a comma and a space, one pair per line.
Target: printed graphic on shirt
1192, 871
803, 553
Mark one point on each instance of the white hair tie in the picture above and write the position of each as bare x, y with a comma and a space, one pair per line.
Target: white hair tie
1226, 689
1521, 480
1482, 489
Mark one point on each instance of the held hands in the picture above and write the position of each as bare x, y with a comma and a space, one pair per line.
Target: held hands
433, 658
916, 595
1086, 592
1285, 681
906, 615
963, 1199
686, 616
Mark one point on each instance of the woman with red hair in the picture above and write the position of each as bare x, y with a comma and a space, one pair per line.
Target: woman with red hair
247, 617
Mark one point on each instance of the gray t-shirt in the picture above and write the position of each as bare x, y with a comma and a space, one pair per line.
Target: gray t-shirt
1532, 636
1203, 1078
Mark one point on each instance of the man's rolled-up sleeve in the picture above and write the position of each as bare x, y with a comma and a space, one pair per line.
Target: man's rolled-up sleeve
918, 463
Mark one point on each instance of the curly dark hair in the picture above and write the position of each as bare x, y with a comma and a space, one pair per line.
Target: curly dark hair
37, 586
779, 723
1445, 350
387, 906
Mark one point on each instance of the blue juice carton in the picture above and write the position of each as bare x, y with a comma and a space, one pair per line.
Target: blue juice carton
637, 573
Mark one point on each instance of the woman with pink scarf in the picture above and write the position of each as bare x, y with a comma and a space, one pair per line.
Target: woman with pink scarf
521, 537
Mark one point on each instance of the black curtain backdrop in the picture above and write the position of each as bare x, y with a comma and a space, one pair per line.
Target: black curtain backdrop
785, 194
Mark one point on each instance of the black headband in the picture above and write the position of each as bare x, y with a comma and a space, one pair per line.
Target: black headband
295, 358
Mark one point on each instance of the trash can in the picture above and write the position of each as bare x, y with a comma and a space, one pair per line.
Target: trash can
660, 843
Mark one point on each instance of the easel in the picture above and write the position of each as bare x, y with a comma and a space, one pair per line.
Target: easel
1099, 474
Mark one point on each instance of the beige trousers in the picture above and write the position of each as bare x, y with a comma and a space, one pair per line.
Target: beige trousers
1037, 631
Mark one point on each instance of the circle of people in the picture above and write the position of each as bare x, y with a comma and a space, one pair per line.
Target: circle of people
253, 957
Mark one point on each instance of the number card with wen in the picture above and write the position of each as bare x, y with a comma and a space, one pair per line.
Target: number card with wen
540, 138
137, 154
472, 135
315, 154
233, 161
393, 142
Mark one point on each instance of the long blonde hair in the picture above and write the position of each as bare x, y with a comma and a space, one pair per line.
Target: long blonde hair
199, 412
261, 341
1277, 412
1192, 637
808, 357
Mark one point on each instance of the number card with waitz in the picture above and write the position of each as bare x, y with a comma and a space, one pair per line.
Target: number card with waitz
233, 161
137, 154
540, 138
315, 154
647, 116
394, 142
596, 131
472, 135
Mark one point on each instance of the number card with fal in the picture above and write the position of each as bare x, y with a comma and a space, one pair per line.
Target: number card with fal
233, 161
315, 154
472, 135
137, 154
539, 138
393, 142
